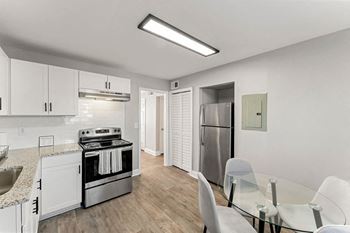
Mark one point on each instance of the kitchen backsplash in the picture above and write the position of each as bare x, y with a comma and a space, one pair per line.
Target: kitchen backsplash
24, 131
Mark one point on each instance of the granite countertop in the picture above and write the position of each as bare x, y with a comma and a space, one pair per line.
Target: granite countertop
28, 159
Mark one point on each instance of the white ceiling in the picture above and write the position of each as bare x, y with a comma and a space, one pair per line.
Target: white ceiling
105, 31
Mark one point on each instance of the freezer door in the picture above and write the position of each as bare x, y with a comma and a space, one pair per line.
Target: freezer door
215, 151
217, 114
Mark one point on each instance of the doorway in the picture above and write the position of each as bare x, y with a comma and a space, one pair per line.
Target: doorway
153, 125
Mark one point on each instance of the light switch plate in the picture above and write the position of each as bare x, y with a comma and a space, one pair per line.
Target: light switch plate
136, 125
48, 140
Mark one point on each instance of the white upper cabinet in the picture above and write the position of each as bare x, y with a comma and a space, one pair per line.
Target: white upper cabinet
120, 85
39, 89
101, 82
4, 78
88, 80
29, 88
63, 91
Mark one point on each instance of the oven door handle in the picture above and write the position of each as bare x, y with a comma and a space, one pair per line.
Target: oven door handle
97, 153
92, 154
125, 148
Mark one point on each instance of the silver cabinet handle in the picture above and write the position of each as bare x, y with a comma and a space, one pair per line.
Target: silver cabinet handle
109, 85
50, 107
0, 103
45, 106
106, 85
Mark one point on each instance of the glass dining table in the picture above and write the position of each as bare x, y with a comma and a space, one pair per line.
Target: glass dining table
280, 203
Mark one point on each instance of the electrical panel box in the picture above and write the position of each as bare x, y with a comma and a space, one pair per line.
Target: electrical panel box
254, 112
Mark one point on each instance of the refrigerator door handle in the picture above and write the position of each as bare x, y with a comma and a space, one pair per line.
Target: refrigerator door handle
202, 114
202, 135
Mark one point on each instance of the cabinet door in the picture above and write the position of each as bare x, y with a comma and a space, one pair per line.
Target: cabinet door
10, 219
29, 88
31, 208
93, 81
61, 187
30, 213
63, 91
4, 78
120, 85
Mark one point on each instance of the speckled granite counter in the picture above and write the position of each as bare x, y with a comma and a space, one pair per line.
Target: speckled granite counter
28, 159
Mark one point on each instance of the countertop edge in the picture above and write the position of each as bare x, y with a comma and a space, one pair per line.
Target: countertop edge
29, 159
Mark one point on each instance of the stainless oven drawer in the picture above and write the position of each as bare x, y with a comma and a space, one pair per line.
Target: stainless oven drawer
107, 179
107, 191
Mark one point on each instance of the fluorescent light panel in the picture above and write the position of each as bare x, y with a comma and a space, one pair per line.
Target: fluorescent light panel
168, 32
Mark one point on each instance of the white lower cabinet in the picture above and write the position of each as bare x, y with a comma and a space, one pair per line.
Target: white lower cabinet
56, 189
23, 218
31, 209
61, 184
10, 219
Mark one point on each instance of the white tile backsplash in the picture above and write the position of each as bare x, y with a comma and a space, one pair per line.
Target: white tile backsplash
25, 131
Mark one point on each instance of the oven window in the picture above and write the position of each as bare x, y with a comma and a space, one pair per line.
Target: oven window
92, 163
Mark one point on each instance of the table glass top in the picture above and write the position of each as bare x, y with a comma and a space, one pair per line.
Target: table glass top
281, 202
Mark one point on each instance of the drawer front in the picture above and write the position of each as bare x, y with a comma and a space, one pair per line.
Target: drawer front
62, 159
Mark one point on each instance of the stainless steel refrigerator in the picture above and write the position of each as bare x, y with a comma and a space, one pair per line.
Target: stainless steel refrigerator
216, 140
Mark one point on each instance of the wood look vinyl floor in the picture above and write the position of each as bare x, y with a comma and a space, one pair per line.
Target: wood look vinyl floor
164, 199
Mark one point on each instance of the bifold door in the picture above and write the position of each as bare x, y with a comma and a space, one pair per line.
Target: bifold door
181, 129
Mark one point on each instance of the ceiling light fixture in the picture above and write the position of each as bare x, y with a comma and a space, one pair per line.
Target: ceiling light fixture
158, 27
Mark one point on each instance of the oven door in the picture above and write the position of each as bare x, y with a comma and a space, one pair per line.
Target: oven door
91, 162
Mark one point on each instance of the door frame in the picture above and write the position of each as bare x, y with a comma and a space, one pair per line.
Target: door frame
166, 125
188, 89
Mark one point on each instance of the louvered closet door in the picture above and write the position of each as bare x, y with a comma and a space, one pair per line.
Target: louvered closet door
176, 129
181, 130
187, 131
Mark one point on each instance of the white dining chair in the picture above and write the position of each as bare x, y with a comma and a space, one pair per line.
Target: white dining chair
332, 190
238, 166
244, 169
334, 229
219, 219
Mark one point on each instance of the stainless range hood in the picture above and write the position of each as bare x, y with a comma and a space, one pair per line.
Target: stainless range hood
104, 95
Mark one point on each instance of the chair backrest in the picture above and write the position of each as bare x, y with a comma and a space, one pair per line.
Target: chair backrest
333, 229
207, 205
338, 191
238, 166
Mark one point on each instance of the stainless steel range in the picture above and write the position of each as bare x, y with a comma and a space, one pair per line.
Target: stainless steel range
107, 165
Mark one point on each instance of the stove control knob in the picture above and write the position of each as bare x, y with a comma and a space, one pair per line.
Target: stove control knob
115, 131
87, 132
83, 132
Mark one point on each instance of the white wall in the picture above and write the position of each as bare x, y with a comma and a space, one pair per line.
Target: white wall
131, 131
24, 131
160, 124
151, 124
143, 122
308, 88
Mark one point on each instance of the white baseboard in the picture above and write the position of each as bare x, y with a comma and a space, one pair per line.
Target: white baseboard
58, 212
136, 172
194, 174
152, 152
